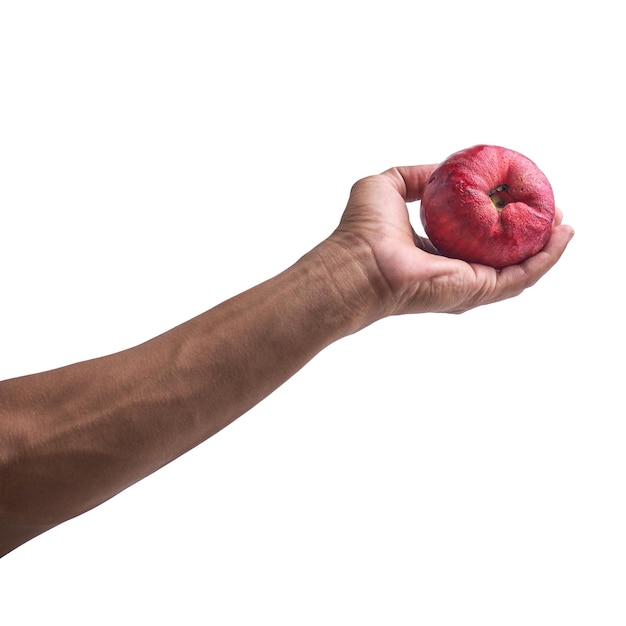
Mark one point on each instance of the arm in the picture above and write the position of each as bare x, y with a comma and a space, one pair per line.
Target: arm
73, 437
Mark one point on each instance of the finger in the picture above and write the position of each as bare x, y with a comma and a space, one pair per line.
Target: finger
541, 262
423, 243
517, 277
410, 180
558, 216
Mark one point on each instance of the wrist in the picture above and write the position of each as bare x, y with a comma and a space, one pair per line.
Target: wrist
347, 278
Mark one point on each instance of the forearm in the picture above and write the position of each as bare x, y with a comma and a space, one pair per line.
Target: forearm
76, 436
73, 437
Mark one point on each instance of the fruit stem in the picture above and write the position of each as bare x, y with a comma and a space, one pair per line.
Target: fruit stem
500, 196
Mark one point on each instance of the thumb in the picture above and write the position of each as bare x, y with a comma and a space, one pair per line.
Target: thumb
410, 180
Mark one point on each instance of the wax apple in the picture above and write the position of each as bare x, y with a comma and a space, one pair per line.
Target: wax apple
489, 205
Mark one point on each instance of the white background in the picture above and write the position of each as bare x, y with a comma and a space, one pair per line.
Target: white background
158, 157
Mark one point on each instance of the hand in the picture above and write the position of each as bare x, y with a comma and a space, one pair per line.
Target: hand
408, 273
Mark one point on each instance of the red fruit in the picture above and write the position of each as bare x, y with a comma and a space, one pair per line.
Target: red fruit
489, 205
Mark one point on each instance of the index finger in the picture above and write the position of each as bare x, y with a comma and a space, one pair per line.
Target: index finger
526, 274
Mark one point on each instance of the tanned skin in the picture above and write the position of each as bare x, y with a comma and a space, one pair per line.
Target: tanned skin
73, 437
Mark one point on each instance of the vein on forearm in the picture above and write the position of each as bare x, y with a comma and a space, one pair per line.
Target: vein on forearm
77, 435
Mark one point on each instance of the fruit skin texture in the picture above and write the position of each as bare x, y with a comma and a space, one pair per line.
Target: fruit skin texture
488, 204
